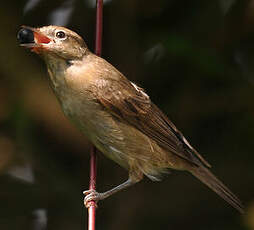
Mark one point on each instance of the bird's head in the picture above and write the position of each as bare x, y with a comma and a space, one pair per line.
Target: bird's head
56, 41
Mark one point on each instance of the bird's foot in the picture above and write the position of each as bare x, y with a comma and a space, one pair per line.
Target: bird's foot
92, 195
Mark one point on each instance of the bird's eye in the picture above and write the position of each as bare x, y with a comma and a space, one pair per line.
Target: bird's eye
60, 34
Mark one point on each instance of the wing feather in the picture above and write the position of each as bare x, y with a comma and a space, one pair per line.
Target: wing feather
132, 105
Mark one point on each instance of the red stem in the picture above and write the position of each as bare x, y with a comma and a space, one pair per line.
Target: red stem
99, 25
92, 185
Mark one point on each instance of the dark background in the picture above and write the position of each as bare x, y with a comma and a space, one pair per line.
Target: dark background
195, 60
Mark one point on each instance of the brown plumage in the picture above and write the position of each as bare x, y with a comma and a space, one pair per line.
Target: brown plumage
117, 116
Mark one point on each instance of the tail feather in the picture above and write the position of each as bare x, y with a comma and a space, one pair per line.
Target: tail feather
217, 186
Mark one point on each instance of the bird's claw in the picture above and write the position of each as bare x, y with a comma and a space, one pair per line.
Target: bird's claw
91, 195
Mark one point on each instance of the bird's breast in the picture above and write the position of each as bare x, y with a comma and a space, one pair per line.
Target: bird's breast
97, 124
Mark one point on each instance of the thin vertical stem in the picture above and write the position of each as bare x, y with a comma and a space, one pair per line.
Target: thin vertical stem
93, 163
92, 185
99, 25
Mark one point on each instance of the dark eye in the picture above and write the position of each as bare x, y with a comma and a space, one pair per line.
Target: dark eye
60, 34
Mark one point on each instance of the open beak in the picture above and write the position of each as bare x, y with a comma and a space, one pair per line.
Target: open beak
32, 38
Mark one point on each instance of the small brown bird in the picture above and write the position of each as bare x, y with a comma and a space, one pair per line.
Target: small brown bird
117, 116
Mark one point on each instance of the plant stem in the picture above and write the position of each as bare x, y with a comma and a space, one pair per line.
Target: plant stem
92, 185
93, 163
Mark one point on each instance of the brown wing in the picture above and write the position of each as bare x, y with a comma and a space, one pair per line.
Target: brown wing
130, 104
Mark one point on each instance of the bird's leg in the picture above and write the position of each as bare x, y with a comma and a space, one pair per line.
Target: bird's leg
96, 196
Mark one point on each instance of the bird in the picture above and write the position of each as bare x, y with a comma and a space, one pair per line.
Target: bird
115, 114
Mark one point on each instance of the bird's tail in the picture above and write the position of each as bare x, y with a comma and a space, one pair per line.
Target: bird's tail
217, 186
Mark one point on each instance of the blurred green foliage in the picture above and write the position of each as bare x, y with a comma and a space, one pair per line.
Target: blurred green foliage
194, 58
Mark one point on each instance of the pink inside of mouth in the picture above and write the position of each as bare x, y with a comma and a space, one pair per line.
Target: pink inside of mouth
39, 38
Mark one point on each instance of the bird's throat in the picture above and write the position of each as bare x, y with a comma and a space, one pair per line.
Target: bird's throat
57, 70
